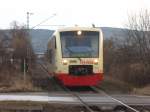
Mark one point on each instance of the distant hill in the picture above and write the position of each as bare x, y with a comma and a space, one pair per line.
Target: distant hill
39, 37
109, 32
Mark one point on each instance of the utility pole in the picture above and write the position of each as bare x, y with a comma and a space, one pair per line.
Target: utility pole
28, 28
27, 58
24, 71
28, 19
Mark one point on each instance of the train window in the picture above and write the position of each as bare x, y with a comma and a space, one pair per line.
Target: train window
86, 47
50, 55
55, 42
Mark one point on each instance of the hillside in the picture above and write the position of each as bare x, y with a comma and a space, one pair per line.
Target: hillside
39, 39
109, 32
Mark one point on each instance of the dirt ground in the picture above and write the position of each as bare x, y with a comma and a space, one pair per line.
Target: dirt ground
36, 80
114, 86
142, 91
14, 81
43, 107
63, 108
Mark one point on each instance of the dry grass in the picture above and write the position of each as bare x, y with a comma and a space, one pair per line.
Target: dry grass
19, 84
12, 81
142, 91
114, 86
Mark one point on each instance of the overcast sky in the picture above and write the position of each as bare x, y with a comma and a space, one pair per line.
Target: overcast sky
108, 13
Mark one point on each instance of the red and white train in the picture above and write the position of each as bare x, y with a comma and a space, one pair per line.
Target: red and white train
75, 56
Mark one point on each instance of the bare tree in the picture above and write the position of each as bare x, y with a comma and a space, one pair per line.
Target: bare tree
128, 58
21, 43
1, 48
109, 54
4, 44
139, 35
136, 47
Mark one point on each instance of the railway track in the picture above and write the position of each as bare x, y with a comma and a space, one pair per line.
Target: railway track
70, 92
42, 79
122, 106
109, 96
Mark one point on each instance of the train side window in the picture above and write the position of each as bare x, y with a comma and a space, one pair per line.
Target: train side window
55, 42
50, 55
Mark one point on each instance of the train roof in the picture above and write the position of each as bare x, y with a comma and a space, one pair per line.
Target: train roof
78, 28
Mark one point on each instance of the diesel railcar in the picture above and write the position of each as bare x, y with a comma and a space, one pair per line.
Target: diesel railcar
75, 56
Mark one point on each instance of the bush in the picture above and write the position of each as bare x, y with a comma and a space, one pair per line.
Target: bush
122, 63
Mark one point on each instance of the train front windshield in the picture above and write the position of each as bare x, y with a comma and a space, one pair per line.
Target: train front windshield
82, 44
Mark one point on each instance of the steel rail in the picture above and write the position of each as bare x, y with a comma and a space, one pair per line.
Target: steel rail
122, 103
80, 99
43, 67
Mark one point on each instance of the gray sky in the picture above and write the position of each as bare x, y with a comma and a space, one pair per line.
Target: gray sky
110, 13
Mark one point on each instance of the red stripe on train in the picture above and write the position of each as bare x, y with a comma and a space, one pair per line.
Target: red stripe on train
88, 80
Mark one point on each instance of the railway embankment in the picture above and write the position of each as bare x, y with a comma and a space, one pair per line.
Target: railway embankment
114, 86
39, 81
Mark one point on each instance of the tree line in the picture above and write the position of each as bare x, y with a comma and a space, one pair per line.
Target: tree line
129, 58
15, 46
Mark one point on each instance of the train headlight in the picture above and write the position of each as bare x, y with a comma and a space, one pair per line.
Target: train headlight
64, 62
79, 32
95, 61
